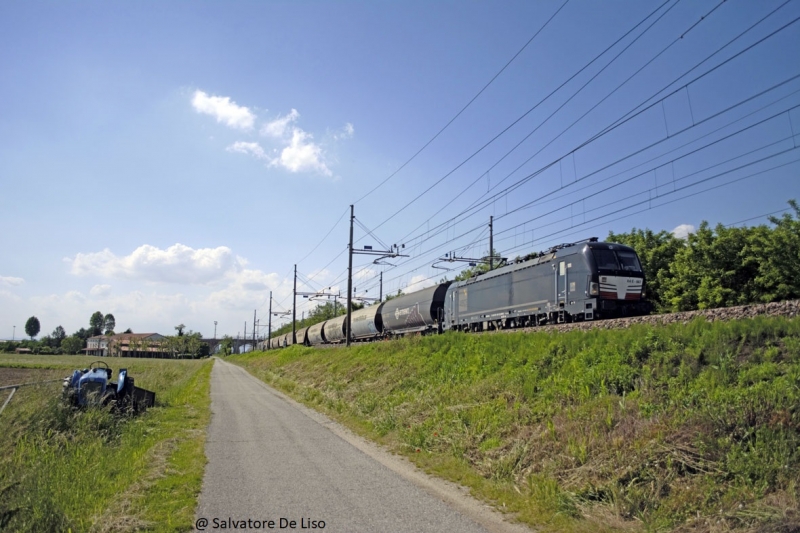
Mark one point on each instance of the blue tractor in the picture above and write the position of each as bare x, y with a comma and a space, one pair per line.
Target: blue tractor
93, 386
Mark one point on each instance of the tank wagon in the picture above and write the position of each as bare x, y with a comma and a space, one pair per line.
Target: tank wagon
587, 280
366, 323
416, 312
300, 336
334, 329
315, 334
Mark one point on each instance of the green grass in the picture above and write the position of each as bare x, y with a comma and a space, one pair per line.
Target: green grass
68, 470
688, 426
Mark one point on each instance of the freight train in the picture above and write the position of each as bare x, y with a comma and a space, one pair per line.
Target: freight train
586, 280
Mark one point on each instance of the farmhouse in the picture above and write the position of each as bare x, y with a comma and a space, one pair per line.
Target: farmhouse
126, 345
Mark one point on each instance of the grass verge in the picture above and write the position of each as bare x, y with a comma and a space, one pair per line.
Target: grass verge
683, 427
68, 470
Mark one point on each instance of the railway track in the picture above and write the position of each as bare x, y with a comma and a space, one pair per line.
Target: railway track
788, 309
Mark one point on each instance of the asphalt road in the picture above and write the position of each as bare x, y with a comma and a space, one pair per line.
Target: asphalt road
271, 459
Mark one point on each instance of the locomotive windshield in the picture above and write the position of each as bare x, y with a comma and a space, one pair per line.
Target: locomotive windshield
616, 260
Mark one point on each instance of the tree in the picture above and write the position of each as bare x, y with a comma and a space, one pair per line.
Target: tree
777, 252
58, 335
656, 252
714, 269
96, 322
72, 345
180, 328
393, 296
480, 268
109, 323
32, 327
129, 330
226, 345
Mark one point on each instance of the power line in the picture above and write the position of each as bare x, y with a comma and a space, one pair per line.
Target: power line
437, 182
628, 116
466, 106
325, 237
758, 217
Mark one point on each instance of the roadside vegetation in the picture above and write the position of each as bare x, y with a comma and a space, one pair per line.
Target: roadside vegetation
688, 427
63, 469
721, 266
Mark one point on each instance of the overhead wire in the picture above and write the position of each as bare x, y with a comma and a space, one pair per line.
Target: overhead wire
618, 122
565, 230
649, 200
692, 152
507, 128
729, 108
466, 106
629, 116
476, 207
772, 117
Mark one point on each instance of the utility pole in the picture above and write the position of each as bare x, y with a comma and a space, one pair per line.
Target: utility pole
294, 304
349, 276
254, 328
380, 294
491, 244
269, 324
215, 330
244, 337
394, 251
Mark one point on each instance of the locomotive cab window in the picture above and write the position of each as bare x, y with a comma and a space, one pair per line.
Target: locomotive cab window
619, 260
629, 262
606, 260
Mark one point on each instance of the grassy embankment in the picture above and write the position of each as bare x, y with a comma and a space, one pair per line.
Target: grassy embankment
684, 427
67, 470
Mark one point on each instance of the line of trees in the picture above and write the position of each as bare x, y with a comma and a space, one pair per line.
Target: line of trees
720, 266
58, 342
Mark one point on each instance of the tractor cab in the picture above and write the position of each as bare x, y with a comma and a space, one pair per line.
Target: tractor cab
93, 386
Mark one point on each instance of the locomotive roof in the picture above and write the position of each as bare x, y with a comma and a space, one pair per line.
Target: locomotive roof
555, 252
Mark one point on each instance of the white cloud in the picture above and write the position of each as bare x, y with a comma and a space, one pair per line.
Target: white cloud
248, 289
177, 264
278, 127
253, 149
302, 155
224, 110
346, 132
296, 150
418, 283
100, 290
11, 281
365, 273
683, 231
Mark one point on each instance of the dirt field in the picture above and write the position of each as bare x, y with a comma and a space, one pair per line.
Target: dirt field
15, 376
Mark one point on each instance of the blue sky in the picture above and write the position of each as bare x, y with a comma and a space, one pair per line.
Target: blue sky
170, 162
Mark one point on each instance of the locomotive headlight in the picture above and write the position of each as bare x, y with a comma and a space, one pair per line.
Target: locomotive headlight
594, 289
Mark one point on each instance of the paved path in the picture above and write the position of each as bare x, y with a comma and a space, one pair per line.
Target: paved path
270, 458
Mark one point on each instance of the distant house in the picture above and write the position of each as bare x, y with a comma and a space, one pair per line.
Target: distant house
97, 345
23, 350
126, 345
